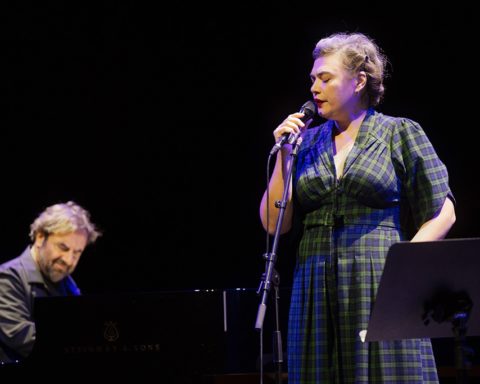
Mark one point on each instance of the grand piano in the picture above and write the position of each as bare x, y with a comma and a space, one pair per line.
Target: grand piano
196, 336
174, 337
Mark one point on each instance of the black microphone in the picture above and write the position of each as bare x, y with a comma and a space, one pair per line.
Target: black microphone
308, 109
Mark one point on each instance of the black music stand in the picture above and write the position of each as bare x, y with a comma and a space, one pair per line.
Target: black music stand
428, 290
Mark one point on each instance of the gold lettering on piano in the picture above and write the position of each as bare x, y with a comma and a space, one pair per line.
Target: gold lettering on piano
111, 331
111, 334
112, 348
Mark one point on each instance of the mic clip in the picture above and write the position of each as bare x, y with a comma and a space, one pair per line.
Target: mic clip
286, 139
279, 144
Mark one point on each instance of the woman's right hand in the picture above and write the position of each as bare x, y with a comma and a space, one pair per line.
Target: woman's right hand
292, 124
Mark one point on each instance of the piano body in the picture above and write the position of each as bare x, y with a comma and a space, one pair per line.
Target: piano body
175, 337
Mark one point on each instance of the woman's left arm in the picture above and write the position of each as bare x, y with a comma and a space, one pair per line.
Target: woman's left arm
437, 227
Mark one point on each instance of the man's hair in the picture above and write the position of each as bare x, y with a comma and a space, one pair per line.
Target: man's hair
359, 53
64, 218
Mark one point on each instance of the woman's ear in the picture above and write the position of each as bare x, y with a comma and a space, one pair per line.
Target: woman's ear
361, 81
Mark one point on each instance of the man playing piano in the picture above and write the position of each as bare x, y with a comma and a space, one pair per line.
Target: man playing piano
59, 236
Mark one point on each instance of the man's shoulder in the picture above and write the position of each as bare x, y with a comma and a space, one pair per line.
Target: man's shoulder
12, 266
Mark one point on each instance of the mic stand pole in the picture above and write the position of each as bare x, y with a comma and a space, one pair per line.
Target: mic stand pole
271, 276
277, 335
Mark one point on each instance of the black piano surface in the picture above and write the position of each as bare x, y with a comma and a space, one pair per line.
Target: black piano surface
173, 337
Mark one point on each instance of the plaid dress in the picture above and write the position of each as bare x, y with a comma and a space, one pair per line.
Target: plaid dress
392, 181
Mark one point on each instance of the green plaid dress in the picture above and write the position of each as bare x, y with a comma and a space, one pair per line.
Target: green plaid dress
392, 181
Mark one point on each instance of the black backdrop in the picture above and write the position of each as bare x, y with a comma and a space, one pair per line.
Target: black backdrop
159, 122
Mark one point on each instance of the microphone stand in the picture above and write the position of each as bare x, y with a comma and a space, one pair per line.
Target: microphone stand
271, 276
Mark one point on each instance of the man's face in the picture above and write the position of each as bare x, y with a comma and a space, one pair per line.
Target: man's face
58, 255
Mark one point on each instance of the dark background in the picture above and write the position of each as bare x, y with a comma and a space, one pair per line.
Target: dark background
158, 119
158, 116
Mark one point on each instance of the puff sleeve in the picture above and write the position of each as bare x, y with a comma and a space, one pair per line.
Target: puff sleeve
424, 176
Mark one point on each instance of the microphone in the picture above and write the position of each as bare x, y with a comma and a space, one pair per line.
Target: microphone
308, 109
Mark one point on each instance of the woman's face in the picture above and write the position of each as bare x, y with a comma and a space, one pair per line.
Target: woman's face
334, 89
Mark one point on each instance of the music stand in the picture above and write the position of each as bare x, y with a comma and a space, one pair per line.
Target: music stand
429, 290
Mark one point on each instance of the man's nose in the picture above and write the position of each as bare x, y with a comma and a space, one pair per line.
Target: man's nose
68, 259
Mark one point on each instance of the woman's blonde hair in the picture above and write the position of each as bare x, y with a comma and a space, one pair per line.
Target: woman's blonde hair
64, 218
360, 53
